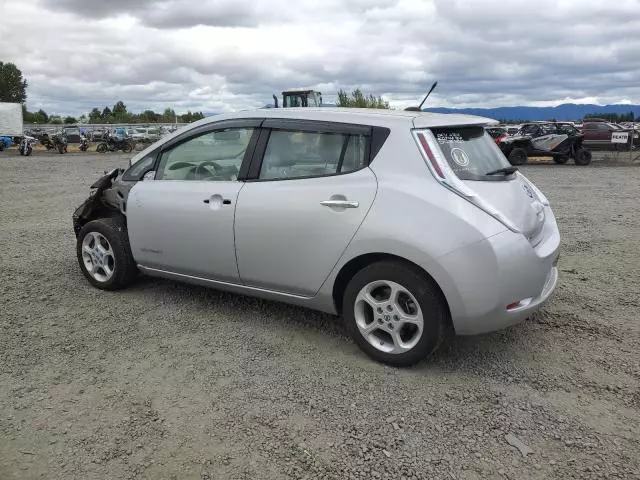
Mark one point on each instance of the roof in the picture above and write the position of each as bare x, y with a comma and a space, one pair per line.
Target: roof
358, 116
299, 90
367, 116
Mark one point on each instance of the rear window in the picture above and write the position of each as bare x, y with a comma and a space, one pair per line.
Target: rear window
470, 152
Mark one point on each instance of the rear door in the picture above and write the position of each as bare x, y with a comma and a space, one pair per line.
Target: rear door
309, 192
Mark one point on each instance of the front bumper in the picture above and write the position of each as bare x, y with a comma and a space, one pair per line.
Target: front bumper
501, 271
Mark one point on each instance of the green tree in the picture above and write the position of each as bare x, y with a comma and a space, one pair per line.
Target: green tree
120, 112
191, 117
149, 116
106, 116
13, 88
70, 120
55, 119
44, 118
95, 116
358, 100
169, 115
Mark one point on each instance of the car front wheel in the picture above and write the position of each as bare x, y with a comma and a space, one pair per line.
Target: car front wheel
104, 254
394, 314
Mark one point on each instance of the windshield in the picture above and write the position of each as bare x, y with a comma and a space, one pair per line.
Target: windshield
470, 152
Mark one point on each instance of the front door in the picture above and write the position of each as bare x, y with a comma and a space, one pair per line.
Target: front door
296, 219
182, 221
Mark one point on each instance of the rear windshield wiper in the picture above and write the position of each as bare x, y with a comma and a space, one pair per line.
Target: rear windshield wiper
505, 170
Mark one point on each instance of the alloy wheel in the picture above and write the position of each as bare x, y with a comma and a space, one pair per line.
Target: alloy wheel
98, 257
388, 316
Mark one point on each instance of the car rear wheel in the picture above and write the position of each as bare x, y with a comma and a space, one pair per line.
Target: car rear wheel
582, 157
561, 159
394, 314
518, 156
101, 148
104, 254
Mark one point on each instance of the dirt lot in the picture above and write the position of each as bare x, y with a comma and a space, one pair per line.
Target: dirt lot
171, 381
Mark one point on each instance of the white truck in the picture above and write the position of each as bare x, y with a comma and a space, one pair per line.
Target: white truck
10, 122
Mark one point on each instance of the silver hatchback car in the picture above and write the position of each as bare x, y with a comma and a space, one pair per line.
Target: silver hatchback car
405, 223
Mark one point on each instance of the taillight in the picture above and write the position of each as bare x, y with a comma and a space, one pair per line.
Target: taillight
432, 159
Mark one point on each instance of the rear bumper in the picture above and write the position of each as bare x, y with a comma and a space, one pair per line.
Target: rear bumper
501, 271
502, 318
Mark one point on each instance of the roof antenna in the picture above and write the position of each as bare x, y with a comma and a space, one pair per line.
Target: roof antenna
419, 107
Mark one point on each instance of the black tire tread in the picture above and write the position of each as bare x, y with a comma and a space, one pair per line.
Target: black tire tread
514, 156
582, 157
436, 313
115, 230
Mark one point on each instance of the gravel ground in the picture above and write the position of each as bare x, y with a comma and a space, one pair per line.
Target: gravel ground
172, 381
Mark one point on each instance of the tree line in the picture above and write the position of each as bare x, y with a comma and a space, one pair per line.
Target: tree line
612, 117
13, 89
117, 114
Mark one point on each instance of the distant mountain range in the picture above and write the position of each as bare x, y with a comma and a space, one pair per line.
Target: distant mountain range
566, 111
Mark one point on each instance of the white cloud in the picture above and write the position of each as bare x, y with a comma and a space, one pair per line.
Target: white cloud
220, 55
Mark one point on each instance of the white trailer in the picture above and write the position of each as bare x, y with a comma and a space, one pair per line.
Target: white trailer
10, 119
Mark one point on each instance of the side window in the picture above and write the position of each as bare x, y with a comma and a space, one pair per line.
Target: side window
212, 156
291, 154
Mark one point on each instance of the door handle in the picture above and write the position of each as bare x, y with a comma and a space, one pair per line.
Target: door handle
216, 200
340, 203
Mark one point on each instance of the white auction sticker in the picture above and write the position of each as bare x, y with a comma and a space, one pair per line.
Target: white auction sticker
619, 137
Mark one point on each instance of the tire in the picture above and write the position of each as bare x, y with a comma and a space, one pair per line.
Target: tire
101, 148
128, 147
29, 150
60, 148
119, 261
518, 156
378, 343
582, 157
561, 159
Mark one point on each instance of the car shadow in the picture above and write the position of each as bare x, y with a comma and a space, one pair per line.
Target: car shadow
485, 354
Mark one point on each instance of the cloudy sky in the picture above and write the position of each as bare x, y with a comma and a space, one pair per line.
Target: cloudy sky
221, 55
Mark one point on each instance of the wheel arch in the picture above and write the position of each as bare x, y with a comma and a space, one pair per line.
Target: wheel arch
356, 264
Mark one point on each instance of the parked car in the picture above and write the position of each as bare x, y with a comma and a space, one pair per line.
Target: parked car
405, 223
72, 133
5, 142
598, 135
138, 134
97, 135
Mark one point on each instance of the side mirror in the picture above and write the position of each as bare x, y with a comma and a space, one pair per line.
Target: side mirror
150, 175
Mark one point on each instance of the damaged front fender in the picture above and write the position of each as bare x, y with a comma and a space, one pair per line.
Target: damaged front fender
94, 206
